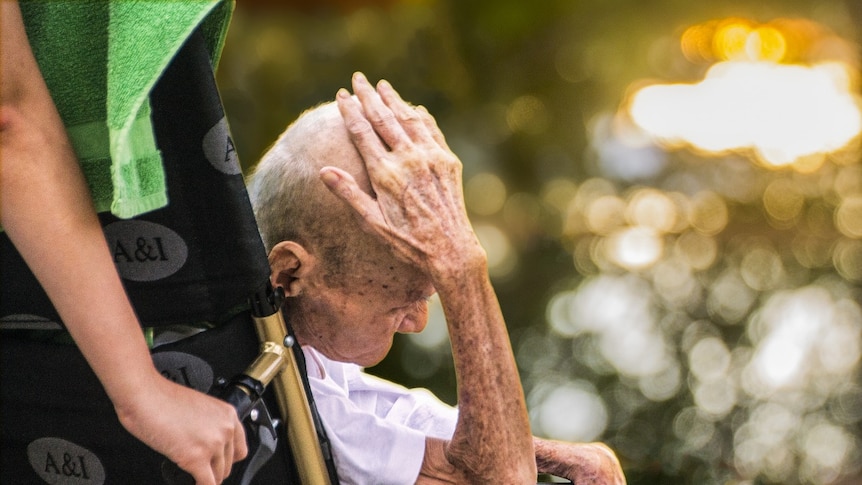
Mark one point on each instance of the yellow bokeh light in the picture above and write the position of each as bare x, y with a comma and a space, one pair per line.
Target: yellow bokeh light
765, 43
731, 38
698, 251
501, 256
779, 112
848, 217
782, 92
783, 200
847, 259
485, 193
696, 42
528, 114
708, 213
559, 193
779, 40
652, 208
812, 251
761, 268
605, 214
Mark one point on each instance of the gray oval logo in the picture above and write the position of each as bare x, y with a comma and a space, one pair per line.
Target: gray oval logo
219, 150
186, 369
145, 251
27, 321
61, 462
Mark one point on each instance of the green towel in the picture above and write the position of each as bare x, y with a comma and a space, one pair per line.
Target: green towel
100, 60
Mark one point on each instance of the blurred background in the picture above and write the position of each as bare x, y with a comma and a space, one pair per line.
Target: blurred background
670, 194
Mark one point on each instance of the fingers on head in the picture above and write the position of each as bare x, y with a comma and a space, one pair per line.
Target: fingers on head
405, 112
394, 120
431, 125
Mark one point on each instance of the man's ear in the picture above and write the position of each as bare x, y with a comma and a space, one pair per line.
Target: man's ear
290, 264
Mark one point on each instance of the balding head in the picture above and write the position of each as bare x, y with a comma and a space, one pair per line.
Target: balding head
348, 292
290, 201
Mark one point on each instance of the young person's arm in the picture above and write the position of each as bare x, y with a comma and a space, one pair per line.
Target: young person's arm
46, 210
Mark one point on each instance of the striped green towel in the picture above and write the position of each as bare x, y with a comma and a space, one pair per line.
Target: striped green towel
100, 60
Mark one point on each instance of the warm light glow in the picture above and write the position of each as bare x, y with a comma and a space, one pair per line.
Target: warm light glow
766, 43
785, 40
485, 194
848, 217
781, 112
652, 208
501, 256
730, 39
635, 247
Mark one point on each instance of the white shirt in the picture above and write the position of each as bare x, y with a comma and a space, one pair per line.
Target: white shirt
377, 428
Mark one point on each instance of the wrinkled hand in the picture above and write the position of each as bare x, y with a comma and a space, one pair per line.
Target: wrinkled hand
582, 463
199, 433
417, 205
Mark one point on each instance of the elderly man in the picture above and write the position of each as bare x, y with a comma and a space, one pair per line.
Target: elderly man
361, 207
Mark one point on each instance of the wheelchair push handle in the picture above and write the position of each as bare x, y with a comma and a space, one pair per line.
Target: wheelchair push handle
237, 396
243, 393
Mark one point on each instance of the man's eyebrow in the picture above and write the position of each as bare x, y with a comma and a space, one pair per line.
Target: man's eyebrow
419, 294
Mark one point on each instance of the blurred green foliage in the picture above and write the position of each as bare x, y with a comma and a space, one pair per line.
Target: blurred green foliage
521, 90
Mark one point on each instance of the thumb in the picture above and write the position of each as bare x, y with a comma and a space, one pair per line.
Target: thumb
344, 186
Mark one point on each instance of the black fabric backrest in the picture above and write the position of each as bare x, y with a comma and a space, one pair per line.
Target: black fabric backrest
200, 256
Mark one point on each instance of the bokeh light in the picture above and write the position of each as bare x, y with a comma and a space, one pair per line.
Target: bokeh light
781, 112
570, 411
485, 194
771, 90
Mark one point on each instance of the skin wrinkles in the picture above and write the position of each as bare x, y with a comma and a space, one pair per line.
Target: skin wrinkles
356, 319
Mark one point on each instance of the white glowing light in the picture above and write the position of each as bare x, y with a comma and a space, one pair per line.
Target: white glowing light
782, 112
779, 359
709, 359
635, 247
572, 412
827, 445
617, 310
793, 322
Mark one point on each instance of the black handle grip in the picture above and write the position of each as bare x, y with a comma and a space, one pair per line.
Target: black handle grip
174, 475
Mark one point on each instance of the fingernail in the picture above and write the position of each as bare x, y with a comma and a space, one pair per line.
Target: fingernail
359, 77
329, 177
342, 93
384, 84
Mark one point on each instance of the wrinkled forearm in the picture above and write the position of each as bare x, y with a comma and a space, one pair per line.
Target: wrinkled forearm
550, 458
582, 463
492, 440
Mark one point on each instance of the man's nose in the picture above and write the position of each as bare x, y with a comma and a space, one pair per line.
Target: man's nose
416, 319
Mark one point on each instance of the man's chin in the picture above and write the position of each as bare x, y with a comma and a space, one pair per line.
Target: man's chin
373, 358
